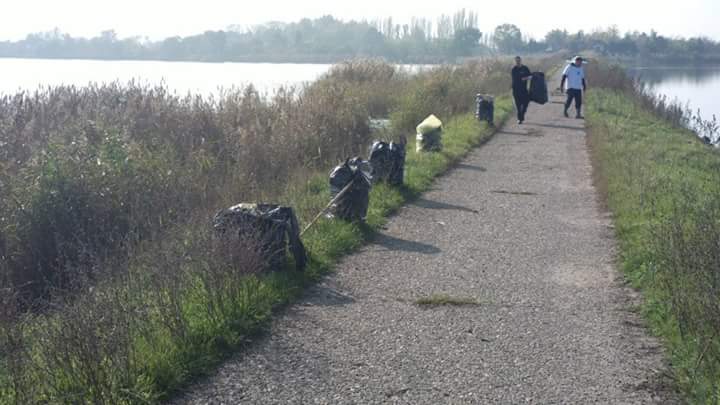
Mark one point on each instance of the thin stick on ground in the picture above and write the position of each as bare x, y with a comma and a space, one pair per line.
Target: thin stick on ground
324, 210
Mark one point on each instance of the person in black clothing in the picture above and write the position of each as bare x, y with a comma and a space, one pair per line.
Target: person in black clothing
520, 75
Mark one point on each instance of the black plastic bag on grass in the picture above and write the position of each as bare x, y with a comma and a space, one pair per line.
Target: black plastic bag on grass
485, 108
388, 161
273, 227
538, 88
356, 175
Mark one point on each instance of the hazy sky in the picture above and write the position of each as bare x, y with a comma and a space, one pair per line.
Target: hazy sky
162, 18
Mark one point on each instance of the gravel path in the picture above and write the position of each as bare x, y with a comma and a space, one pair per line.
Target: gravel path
517, 228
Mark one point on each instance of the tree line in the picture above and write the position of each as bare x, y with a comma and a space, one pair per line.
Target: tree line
327, 39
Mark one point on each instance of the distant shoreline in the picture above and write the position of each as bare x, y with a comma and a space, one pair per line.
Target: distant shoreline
634, 62
666, 62
304, 60
50, 58
255, 61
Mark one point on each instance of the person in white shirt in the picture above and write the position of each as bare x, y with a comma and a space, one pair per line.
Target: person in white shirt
575, 77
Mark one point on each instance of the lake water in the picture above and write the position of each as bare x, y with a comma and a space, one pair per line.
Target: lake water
697, 87
181, 77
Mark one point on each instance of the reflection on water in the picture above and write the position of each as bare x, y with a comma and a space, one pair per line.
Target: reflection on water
692, 74
695, 86
180, 77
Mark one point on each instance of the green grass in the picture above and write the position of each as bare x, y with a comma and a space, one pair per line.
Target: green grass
663, 188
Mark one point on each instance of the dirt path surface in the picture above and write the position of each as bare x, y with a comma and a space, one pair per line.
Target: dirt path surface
517, 228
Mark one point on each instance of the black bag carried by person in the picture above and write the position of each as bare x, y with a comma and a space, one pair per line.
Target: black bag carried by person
272, 227
388, 161
538, 88
353, 204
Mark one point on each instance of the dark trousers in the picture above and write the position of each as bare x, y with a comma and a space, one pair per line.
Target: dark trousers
522, 101
574, 94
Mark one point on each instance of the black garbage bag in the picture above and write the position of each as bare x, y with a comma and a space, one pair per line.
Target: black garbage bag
379, 158
397, 156
485, 108
353, 204
538, 88
388, 161
274, 227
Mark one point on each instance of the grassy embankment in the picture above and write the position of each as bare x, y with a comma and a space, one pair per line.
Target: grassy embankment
663, 187
106, 200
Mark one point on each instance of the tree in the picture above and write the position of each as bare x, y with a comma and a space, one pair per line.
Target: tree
466, 40
508, 38
698, 46
534, 46
444, 27
556, 39
329, 39
373, 42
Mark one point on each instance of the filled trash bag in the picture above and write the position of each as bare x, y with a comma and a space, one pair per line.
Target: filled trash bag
538, 88
388, 161
485, 108
274, 227
353, 204
397, 155
429, 134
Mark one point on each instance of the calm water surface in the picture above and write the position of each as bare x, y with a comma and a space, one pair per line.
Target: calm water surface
698, 87
181, 77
